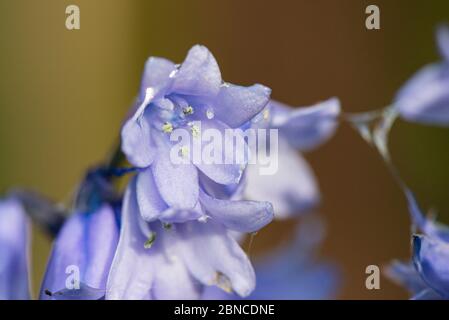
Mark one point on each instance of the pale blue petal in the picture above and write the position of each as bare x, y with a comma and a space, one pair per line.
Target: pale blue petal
236, 105
292, 189
149, 200
232, 158
136, 141
155, 272
172, 279
215, 258
405, 274
156, 75
101, 235
177, 183
199, 74
242, 216
132, 271
136, 132
292, 272
425, 97
221, 191
306, 128
173, 215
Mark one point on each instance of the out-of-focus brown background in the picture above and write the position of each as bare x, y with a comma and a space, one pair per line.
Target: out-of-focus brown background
64, 93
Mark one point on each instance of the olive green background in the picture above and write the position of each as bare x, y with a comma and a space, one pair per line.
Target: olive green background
63, 95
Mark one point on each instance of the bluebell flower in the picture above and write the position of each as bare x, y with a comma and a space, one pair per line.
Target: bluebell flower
83, 250
14, 250
175, 97
84, 247
293, 188
427, 276
293, 272
177, 218
157, 260
421, 277
431, 259
425, 97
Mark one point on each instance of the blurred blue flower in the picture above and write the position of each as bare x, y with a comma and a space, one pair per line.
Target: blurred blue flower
14, 250
292, 273
293, 188
82, 253
427, 276
86, 243
425, 97
405, 274
174, 97
175, 261
431, 259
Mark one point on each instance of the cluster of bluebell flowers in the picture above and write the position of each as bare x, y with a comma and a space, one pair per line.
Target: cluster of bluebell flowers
176, 231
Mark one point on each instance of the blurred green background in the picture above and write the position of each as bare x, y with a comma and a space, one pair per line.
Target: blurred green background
63, 95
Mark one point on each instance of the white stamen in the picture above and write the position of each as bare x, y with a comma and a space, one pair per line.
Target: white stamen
203, 219
210, 113
173, 73
266, 114
149, 95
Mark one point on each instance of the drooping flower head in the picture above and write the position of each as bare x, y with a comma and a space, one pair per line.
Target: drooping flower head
177, 218
427, 276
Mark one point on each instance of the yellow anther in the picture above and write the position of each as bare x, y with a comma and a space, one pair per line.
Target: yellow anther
167, 226
187, 110
223, 282
167, 127
150, 241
